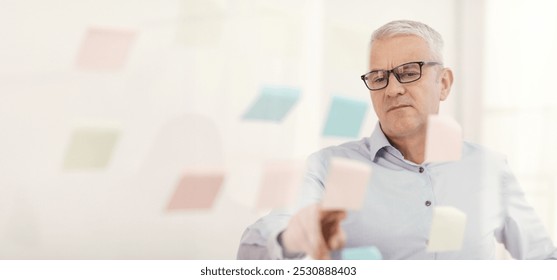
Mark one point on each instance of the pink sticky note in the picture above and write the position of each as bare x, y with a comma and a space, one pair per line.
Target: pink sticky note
443, 140
346, 184
197, 189
105, 49
280, 183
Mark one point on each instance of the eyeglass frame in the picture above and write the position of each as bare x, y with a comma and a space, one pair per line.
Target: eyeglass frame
421, 63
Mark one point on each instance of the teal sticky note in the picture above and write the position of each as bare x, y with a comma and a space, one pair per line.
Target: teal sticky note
273, 104
345, 117
362, 253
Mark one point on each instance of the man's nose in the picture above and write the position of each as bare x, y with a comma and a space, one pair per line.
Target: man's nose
394, 87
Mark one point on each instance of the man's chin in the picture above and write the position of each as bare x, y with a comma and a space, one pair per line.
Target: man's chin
402, 128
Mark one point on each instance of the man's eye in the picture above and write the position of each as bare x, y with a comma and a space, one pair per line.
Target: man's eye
378, 80
409, 75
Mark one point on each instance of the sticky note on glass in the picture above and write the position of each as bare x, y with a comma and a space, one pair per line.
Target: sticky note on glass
202, 22
105, 49
443, 139
345, 117
346, 184
362, 253
447, 229
197, 189
200, 32
273, 104
280, 183
91, 147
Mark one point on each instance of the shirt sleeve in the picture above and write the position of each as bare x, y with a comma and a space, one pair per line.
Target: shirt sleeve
260, 240
522, 232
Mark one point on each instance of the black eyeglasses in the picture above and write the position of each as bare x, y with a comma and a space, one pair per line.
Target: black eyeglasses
405, 73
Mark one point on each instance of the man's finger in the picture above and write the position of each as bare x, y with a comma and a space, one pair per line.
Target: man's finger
338, 240
319, 246
330, 228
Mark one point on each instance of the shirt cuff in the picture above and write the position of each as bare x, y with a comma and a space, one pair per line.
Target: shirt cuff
277, 251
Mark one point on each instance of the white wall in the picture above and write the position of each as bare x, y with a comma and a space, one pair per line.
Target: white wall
520, 100
46, 212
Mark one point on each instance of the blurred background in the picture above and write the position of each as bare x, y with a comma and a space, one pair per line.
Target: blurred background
186, 72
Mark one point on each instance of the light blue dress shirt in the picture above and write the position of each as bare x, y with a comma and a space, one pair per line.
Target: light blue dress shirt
398, 208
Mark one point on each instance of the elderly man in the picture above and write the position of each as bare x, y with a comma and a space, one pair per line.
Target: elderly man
407, 81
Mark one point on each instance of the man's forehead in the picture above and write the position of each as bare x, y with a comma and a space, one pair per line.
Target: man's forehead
393, 51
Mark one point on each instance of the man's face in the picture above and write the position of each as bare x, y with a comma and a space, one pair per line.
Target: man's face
403, 109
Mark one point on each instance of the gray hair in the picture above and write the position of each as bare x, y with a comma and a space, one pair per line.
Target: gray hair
408, 27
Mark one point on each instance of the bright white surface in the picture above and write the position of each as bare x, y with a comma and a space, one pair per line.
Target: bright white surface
519, 101
177, 270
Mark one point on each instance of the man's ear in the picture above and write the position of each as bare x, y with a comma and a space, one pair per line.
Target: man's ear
446, 83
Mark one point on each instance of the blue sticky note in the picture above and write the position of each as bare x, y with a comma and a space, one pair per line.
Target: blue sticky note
273, 103
345, 117
362, 253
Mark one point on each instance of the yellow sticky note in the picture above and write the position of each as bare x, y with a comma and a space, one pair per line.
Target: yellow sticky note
443, 139
447, 229
91, 147
202, 22
346, 184
200, 32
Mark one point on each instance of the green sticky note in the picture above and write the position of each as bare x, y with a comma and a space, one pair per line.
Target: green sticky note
90, 148
273, 104
362, 253
345, 117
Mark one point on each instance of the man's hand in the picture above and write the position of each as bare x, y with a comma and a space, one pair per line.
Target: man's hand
315, 232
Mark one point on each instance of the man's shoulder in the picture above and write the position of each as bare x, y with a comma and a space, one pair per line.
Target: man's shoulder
352, 149
471, 149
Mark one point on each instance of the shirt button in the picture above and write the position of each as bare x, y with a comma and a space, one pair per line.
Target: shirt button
428, 203
421, 169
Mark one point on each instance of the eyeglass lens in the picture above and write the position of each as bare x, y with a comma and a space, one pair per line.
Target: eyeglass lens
405, 73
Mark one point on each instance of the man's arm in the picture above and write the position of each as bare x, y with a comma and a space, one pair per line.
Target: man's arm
260, 240
265, 239
315, 232
522, 232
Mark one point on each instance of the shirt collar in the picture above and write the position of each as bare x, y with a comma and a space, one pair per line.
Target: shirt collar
378, 141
